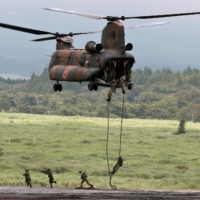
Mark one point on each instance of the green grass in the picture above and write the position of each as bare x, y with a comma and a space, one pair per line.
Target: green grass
154, 157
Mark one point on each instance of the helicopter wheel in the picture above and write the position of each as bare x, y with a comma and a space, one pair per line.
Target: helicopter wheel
55, 87
59, 86
90, 86
95, 87
130, 86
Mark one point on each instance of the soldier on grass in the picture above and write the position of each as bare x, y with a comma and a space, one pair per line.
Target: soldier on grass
50, 175
84, 179
27, 178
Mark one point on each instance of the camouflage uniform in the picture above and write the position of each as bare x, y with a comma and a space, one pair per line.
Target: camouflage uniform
112, 73
117, 165
51, 178
105, 77
84, 179
27, 178
112, 89
122, 79
128, 70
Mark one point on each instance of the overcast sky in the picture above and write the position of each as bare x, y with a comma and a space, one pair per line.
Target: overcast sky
175, 45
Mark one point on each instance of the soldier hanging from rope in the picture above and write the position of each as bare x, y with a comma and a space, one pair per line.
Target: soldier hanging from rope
117, 165
127, 70
113, 85
122, 79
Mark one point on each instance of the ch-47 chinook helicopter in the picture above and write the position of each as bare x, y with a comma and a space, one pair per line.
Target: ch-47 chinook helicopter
97, 64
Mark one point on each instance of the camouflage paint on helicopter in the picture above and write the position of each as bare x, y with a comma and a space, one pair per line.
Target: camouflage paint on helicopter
79, 65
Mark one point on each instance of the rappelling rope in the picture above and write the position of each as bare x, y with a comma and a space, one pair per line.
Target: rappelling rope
108, 114
122, 115
109, 174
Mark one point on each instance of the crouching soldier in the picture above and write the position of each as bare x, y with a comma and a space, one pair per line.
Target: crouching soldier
50, 175
27, 178
84, 179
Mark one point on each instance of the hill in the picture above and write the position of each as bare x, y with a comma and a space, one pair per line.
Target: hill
22, 67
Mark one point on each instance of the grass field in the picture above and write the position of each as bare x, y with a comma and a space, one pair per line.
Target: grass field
154, 157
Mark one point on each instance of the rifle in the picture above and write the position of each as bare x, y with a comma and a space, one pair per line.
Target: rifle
45, 171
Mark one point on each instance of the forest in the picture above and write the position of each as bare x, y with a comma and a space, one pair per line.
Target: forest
160, 94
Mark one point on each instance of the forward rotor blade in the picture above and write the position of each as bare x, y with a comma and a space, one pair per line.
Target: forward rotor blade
75, 13
44, 39
146, 25
162, 16
27, 30
64, 35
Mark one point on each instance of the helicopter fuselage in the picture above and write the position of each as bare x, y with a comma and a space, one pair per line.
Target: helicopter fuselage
106, 61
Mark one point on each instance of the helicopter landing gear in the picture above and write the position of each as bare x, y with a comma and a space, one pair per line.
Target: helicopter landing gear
95, 87
130, 85
57, 87
92, 87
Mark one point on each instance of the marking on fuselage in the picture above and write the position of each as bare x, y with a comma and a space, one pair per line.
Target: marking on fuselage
64, 74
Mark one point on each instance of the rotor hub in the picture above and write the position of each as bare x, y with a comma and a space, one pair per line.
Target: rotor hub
112, 18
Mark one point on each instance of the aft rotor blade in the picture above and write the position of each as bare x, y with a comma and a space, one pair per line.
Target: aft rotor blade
146, 25
23, 29
75, 13
114, 18
162, 16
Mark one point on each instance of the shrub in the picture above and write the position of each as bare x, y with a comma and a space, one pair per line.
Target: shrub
181, 128
182, 167
61, 169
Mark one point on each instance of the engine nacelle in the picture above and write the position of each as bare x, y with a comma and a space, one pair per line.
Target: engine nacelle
129, 47
92, 47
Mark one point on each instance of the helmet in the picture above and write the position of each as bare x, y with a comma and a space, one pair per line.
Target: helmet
80, 171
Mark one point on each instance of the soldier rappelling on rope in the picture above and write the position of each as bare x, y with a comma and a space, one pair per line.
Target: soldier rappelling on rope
117, 165
122, 79
112, 89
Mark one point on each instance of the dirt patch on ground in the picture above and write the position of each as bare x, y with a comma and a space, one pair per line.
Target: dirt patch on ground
38, 193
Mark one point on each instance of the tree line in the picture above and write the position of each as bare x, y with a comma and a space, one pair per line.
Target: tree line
160, 94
